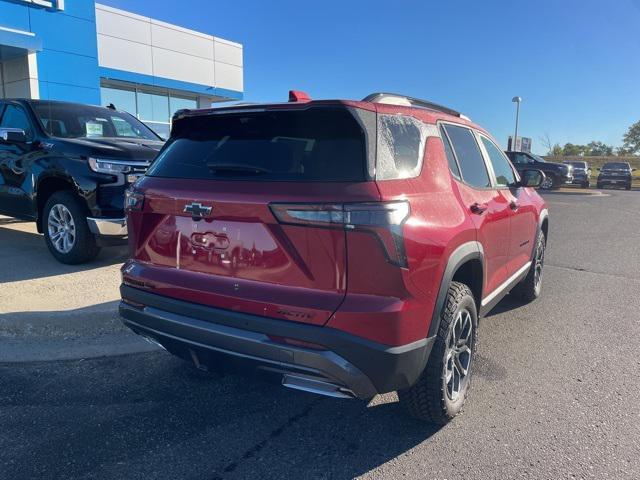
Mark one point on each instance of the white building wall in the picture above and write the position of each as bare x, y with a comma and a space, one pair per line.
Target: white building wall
134, 43
20, 77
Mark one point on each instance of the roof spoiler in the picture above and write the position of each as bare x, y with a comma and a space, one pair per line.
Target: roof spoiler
397, 99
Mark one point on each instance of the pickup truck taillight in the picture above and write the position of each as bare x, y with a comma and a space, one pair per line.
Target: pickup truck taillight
382, 219
133, 201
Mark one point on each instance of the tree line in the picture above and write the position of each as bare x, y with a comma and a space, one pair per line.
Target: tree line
595, 148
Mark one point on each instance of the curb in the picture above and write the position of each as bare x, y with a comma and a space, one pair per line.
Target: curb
89, 332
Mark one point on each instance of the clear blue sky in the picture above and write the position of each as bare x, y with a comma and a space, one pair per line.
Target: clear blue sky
575, 63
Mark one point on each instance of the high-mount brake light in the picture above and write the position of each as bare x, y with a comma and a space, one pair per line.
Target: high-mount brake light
384, 219
298, 96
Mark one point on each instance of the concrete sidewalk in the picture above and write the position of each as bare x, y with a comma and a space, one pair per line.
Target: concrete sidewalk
51, 311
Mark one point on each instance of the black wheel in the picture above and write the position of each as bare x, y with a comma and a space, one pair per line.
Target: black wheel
548, 183
66, 231
599, 185
586, 184
628, 187
441, 390
530, 287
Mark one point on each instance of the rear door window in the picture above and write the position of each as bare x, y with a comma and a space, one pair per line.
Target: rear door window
472, 166
314, 145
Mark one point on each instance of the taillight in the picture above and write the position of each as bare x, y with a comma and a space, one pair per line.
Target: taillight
133, 201
384, 219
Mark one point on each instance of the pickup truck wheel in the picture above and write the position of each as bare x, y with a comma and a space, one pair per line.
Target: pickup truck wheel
66, 231
548, 183
442, 388
628, 187
530, 287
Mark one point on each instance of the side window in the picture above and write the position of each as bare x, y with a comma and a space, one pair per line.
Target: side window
522, 159
15, 117
472, 166
453, 165
501, 166
401, 142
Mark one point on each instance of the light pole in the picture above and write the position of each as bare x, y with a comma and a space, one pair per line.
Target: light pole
517, 100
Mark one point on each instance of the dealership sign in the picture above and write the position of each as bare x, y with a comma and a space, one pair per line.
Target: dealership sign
52, 4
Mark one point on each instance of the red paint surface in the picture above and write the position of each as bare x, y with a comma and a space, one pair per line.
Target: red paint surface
242, 259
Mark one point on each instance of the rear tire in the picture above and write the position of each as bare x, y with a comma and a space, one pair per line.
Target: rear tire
440, 392
65, 217
586, 185
530, 287
628, 187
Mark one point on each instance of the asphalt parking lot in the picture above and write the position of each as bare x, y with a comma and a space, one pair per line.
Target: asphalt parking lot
555, 395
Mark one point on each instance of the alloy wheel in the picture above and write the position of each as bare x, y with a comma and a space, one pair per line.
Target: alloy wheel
547, 183
62, 228
458, 357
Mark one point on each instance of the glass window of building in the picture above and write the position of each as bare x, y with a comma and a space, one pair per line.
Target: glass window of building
122, 99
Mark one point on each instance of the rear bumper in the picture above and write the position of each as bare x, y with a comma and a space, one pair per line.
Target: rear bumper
615, 181
215, 338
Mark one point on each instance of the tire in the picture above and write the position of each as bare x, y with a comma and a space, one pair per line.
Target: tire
599, 185
531, 286
64, 210
432, 398
549, 183
586, 185
628, 187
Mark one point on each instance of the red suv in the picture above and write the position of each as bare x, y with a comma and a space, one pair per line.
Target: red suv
345, 248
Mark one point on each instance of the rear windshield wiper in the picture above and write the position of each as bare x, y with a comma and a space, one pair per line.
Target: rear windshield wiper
237, 168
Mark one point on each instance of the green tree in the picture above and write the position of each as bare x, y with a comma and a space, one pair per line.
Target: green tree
598, 149
632, 139
557, 150
570, 149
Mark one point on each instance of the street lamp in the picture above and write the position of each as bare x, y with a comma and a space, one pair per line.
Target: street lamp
517, 100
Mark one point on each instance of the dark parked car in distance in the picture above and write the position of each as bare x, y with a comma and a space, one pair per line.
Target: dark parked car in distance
581, 172
66, 166
556, 174
616, 174
342, 247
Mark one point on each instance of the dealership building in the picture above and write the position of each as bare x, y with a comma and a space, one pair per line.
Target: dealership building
82, 51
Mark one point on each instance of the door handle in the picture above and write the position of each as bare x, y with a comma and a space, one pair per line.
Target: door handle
478, 208
514, 206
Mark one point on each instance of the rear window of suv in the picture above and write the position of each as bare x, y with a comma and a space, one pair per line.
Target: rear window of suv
318, 144
616, 166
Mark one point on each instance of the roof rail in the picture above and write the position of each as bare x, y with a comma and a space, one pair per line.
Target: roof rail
397, 99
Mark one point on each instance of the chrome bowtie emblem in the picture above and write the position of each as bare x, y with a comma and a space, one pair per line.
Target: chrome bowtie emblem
196, 209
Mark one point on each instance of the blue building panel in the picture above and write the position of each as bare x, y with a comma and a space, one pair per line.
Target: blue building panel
14, 16
66, 33
69, 93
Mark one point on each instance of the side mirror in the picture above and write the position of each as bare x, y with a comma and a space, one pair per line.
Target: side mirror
13, 135
531, 178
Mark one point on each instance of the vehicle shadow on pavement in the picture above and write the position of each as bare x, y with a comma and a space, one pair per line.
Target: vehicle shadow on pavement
25, 256
154, 416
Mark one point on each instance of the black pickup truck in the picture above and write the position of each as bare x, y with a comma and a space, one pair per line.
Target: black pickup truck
66, 166
556, 174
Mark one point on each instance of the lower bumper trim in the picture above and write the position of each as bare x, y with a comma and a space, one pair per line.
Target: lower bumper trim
349, 367
108, 227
